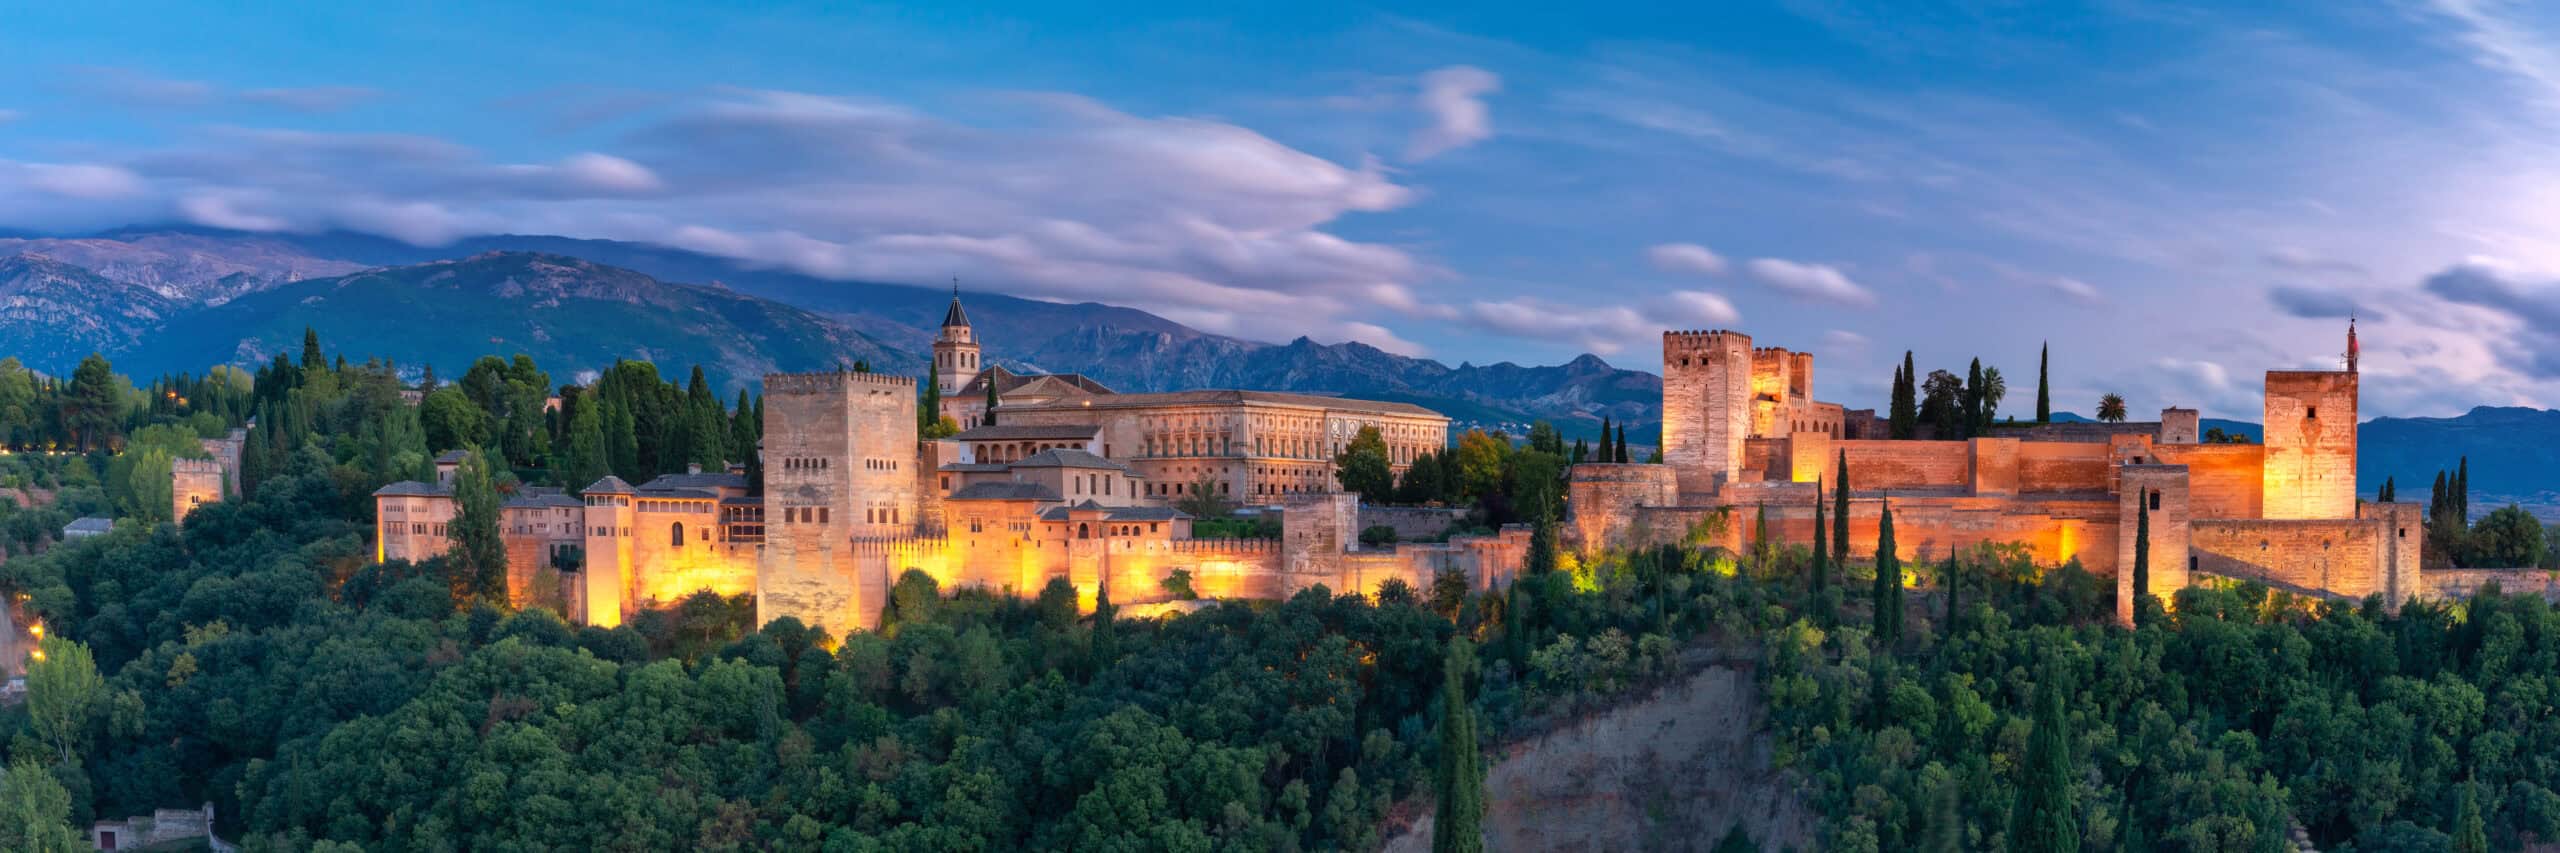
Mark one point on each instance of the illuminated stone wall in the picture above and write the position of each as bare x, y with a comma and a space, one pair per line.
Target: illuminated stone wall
2224, 480
1601, 499
2342, 557
1901, 465
2310, 444
193, 483
1706, 406
2165, 489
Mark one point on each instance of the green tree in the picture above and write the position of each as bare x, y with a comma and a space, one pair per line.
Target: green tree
35, 811
451, 420
1362, 466
2044, 384
1458, 825
928, 404
1819, 584
477, 557
148, 492
2141, 554
582, 460
1975, 417
1480, 460
1622, 447
2509, 537
2470, 835
92, 407
1905, 411
1608, 453
989, 419
312, 359
1888, 588
2044, 818
1995, 388
63, 691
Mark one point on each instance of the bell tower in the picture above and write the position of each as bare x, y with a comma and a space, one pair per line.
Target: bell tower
955, 350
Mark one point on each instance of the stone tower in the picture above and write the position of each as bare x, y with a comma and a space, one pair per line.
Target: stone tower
2164, 489
839, 467
955, 351
2311, 444
1706, 406
607, 572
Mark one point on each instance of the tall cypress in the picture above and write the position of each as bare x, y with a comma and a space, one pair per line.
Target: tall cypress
2462, 492
1607, 454
1458, 827
2385, 495
2044, 386
1888, 590
928, 406
1951, 579
1820, 582
2043, 818
2470, 834
1840, 513
990, 418
1906, 403
1622, 445
477, 557
2141, 552
1972, 398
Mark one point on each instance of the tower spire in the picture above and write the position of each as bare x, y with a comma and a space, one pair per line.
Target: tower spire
2351, 343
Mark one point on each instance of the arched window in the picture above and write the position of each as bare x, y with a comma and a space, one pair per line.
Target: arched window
676, 532
1084, 531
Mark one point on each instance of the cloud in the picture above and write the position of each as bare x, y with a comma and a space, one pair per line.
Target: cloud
1695, 308
2205, 375
1843, 340
2074, 289
134, 88
87, 181
2319, 303
1603, 330
1686, 258
2525, 317
1817, 282
1453, 99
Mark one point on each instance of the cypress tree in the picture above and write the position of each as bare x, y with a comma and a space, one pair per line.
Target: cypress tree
1458, 827
1607, 453
1622, 446
2044, 386
1906, 403
1840, 513
1972, 398
1820, 582
1760, 549
1542, 548
2462, 493
2043, 818
477, 557
1888, 590
2384, 496
1106, 639
2469, 833
312, 360
929, 407
1951, 579
2141, 553
1581, 451
990, 418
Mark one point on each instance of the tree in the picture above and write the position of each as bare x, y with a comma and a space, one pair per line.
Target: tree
2508, 538
2111, 408
452, 421
63, 690
989, 419
1905, 412
2044, 818
1840, 513
2470, 835
1421, 480
582, 462
1994, 389
1951, 578
1942, 404
1481, 460
2384, 496
1819, 583
1542, 549
1735, 841
1607, 453
1362, 466
1888, 594
1106, 637
477, 557
1458, 825
35, 811
91, 407
1975, 418
2044, 385
1177, 585
1201, 500
929, 405
2141, 553
1622, 447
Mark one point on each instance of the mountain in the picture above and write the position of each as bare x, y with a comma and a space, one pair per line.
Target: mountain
52, 314
1126, 348
2514, 453
569, 314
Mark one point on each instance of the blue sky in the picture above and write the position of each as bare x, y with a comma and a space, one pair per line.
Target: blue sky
2178, 197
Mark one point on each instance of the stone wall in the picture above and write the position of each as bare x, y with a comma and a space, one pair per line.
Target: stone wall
193, 483
2180, 426
2443, 584
2165, 490
1412, 522
2055, 467
1601, 499
2224, 480
2340, 557
837, 454
1902, 465
2310, 444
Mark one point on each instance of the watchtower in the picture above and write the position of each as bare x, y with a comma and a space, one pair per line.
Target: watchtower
1706, 406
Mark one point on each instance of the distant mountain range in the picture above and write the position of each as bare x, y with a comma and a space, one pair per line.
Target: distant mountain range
169, 299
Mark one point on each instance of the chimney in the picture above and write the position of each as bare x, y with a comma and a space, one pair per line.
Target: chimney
693, 467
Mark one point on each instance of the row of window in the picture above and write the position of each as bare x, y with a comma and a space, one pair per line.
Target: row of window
806, 463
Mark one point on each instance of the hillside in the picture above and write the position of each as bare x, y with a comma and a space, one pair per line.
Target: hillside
569, 314
53, 313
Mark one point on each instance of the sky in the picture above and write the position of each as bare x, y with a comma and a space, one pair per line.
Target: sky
2174, 197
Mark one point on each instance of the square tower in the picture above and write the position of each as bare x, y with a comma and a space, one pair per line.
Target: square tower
1706, 406
2311, 444
839, 466
2163, 490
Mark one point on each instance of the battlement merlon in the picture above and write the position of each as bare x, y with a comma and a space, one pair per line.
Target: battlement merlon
827, 381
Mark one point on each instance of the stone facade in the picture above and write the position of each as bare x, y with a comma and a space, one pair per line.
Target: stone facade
1743, 437
194, 483
839, 466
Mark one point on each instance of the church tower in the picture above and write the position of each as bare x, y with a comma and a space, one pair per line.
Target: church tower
955, 350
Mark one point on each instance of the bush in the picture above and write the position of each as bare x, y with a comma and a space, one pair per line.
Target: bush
1378, 534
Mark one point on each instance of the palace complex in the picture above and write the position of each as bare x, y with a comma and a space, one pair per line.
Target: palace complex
1065, 478
1742, 436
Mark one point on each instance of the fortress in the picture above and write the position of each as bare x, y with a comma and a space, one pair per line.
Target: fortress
1742, 435
1064, 479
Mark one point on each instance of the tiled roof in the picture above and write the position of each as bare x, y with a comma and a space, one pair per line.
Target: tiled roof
1003, 492
89, 524
543, 499
955, 316
1023, 432
657, 492
721, 480
1007, 382
974, 467
610, 485
1063, 457
1115, 513
450, 457
1235, 397
414, 489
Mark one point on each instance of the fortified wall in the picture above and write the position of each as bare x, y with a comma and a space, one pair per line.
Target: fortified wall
838, 442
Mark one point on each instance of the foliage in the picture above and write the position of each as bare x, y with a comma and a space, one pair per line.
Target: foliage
2111, 408
1363, 468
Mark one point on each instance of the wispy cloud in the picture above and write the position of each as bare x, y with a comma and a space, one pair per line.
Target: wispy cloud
138, 89
1689, 258
1815, 282
1452, 99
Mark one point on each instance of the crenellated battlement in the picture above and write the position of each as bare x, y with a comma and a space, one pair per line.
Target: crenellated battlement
834, 380
195, 466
